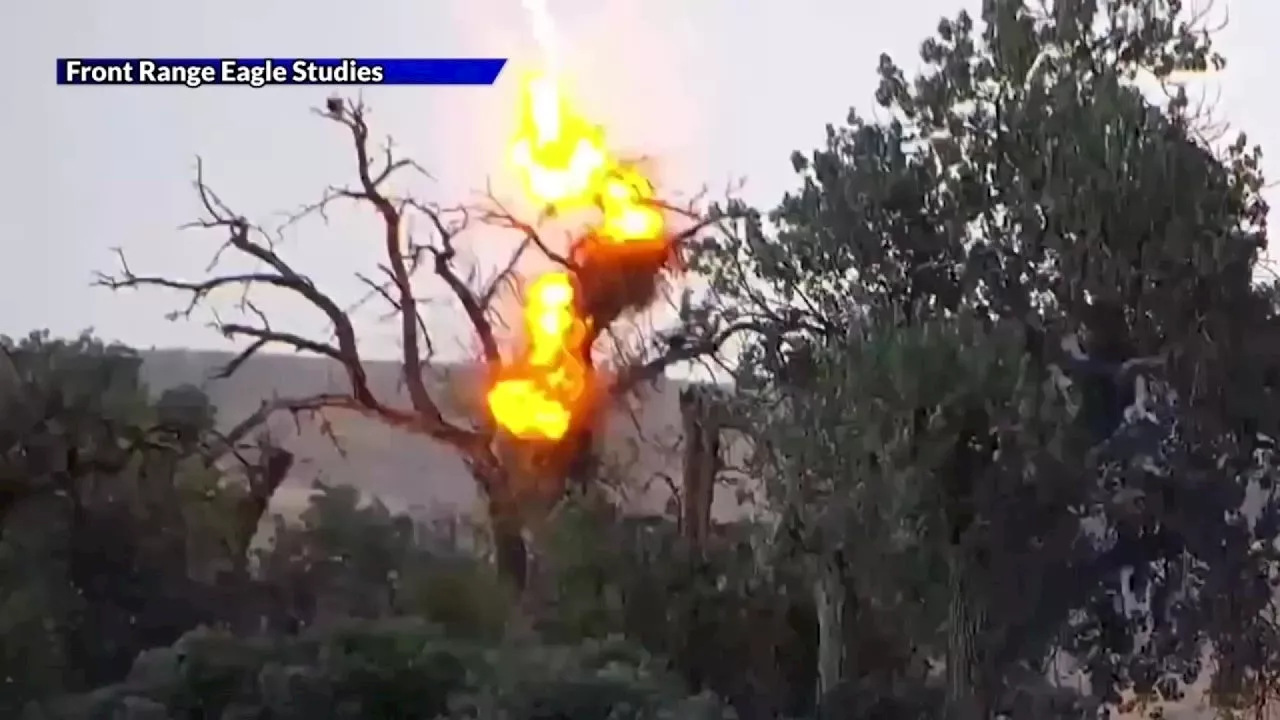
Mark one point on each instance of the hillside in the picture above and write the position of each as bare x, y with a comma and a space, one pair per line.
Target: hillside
404, 470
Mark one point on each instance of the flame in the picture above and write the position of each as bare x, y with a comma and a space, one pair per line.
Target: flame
565, 166
630, 217
540, 404
558, 155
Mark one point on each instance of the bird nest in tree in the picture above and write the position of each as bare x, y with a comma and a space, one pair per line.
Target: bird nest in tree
619, 279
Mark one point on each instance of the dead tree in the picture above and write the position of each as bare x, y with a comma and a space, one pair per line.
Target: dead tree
702, 462
406, 257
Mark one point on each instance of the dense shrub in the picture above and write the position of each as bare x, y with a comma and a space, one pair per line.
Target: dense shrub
389, 669
746, 634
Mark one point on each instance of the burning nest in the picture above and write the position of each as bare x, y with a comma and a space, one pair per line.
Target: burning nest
614, 278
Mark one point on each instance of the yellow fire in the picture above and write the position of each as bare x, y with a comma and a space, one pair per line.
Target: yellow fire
559, 156
626, 200
540, 404
564, 165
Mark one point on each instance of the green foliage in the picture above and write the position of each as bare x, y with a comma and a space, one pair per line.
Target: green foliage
74, 457
938, 459
112, 525
346, 557
728, 622
1019, 190
401, 669
865, 456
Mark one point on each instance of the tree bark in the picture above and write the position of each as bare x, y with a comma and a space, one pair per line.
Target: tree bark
830, 599
701, 465
511, 555
967, 687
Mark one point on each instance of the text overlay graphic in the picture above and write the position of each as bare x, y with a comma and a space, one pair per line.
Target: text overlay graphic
261, 72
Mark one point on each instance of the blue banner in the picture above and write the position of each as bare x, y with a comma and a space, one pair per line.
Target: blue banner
261, 72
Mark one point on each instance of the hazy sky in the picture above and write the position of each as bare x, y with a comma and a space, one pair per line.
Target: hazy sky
715, 89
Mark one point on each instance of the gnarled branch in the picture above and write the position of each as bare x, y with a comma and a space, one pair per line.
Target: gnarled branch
403, 258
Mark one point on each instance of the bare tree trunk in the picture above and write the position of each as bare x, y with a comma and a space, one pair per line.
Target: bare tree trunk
511, 555
701, 464
967, 681
831, 600
262, 478
968, 686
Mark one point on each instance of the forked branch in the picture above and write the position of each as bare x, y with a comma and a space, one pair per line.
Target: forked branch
403, 258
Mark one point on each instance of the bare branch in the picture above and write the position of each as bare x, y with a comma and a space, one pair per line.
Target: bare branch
370, 190
228, 442
686, 350
250, 241
506, 276
400, 266
495, 214
383, 290
444, 255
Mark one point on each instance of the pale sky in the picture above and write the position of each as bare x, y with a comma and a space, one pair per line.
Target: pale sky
714, 89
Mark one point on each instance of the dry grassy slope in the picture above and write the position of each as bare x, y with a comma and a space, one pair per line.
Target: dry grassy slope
403, 469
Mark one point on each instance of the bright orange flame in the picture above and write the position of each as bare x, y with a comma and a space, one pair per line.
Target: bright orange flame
541, 404
565, 166
560, 156
630, 216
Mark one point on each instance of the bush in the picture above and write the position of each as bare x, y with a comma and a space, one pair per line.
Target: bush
745, 634
401, 669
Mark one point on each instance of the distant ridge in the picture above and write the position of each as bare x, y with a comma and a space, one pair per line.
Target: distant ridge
402, 469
